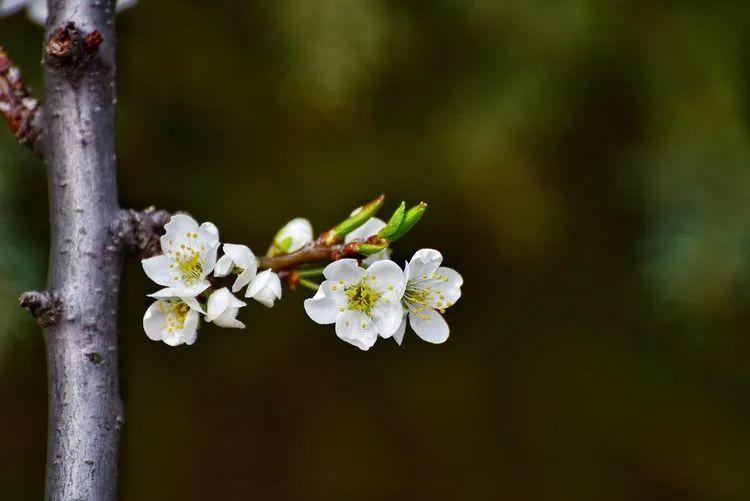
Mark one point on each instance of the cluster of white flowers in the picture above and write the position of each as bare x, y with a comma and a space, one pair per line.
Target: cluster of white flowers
365, 303
189, 255
364, 299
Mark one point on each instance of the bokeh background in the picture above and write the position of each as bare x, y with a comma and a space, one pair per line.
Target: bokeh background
587, 166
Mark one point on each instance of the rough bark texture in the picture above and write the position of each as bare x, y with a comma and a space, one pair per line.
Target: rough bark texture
85, 410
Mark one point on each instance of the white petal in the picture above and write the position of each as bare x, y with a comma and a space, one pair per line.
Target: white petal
265, 288
218, 301
190, 331
387, 278
371, 227
378, 256
346, 270
157, 269
321, 309
398, 336
241, 256
193, 303
387, 317
224, 266
356, 328
181, 291
449, 289
208, 239
228, 320
430, 326
175, 231
424, 263
153, 320
294, 235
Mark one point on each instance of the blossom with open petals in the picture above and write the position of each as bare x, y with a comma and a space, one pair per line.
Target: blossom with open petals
293, 236
37, 9
430, 290
222, 309
363, 303
238, 258
371, 227
173, 321
189, 256
265, 288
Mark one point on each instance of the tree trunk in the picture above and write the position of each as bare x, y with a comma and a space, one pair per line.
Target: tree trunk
85, 410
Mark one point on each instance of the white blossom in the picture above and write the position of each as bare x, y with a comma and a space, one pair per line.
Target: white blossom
371, 227
239, 258
265, 288
37, 9
189, 256
223, 308
173, 320
363, 303
430, 290
294, 235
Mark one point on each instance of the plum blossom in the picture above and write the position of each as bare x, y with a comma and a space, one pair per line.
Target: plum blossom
173, 321
222, 309
37, 9
293, 236
430, 290
362, 303
237, 258
371, 227
265, 288
189, 256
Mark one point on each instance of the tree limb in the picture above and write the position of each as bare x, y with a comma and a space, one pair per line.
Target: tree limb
85, 410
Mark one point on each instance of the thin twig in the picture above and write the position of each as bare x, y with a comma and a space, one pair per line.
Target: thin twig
22, 112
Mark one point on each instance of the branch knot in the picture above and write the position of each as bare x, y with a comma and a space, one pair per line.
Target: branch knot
43, 305
138, 232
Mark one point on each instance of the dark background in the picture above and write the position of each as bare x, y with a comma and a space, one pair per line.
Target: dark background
587, 166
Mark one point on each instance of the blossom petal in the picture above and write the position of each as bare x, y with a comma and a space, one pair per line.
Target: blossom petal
294, 235
424, 263
371, 227
387, 317
398, 336
430, 326
153, 320
346, 270
387, 278
265, 288
190, 331
157, 269
181, 291
356, 328
175, 230
224, 266
447, 290
218, 301
321, 309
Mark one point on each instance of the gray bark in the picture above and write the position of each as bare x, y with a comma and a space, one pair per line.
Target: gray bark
85, 410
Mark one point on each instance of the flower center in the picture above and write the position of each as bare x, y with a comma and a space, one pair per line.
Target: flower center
190, 265
362, 297
176, 313
421, 294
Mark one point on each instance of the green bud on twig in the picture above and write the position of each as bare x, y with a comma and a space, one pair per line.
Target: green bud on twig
410, 219
357, 219
394, 223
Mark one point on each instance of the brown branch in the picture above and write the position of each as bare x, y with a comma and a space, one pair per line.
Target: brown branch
314, 252
17, 105
138, 232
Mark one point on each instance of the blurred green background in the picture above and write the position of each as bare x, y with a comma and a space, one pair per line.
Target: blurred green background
587, 166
